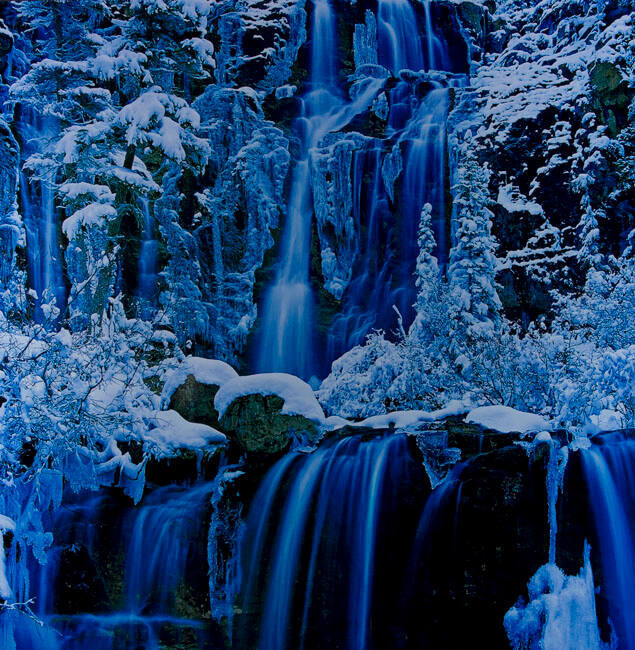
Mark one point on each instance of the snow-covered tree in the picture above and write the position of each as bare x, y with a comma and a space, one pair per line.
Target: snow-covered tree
122, 110
427, 278
474, 302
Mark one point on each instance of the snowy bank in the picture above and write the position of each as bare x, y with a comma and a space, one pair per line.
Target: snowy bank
169, 432
412, 418
507, 420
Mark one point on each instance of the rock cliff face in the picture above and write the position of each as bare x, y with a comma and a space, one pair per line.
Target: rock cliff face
549, 106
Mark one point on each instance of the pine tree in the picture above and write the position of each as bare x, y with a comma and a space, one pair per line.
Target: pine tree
427, 278
474, 302
117, 84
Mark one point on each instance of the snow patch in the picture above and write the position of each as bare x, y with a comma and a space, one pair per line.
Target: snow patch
169, 431
405, 419
506, 419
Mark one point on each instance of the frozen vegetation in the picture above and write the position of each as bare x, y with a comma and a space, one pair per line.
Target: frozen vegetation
414, 220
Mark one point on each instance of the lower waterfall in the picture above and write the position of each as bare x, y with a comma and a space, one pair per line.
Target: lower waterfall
321, 533
609, 466
160, 557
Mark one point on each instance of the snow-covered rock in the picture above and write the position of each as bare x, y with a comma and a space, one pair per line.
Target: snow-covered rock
210, 372
168, 431
191, 388
297, 396
264, 413
506, 419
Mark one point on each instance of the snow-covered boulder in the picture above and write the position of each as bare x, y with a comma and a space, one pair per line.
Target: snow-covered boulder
190, 390
263, 413
507, 420
169, 432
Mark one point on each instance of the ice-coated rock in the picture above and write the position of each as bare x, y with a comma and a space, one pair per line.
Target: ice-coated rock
365, 41
259, 42
10, 223
333, 203
243, 208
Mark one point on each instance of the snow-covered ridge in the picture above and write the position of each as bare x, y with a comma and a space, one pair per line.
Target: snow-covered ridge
506, 419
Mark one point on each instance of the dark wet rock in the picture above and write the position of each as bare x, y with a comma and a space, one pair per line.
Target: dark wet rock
79, 587
488, 540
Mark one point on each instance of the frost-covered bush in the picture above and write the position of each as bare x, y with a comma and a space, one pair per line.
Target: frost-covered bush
67, 401
571, 369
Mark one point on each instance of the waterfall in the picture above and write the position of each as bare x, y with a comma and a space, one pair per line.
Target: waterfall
163, 560
609, 467
314, 534
37, 203
399, 39
164, 530
383, 274
286, 343
147, 270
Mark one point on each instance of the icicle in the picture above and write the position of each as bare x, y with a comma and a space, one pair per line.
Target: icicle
225, 575
560, 612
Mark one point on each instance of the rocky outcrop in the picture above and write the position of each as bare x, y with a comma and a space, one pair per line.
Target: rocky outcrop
549, 111
243, 204
332, 174
195, 401
259, 42
258, 425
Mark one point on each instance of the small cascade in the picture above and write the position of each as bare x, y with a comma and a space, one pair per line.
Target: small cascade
147, 265
164, 532
436, 49
609, 468
400, 38
396, 27
162, 564
287, 324
314, 535
37, 206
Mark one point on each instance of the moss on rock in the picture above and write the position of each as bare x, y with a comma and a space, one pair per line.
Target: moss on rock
194, 401
257, 424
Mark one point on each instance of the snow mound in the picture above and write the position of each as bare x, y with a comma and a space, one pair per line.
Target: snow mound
405, 419
608, 420
210, 372
395, 420
297, 395
560, 612
506, 419
169, 431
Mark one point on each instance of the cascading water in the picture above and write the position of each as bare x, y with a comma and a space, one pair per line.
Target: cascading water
147, 266
160, 563
383, 274
399, 38
314, 533
609, 467
287, 331
37, 204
